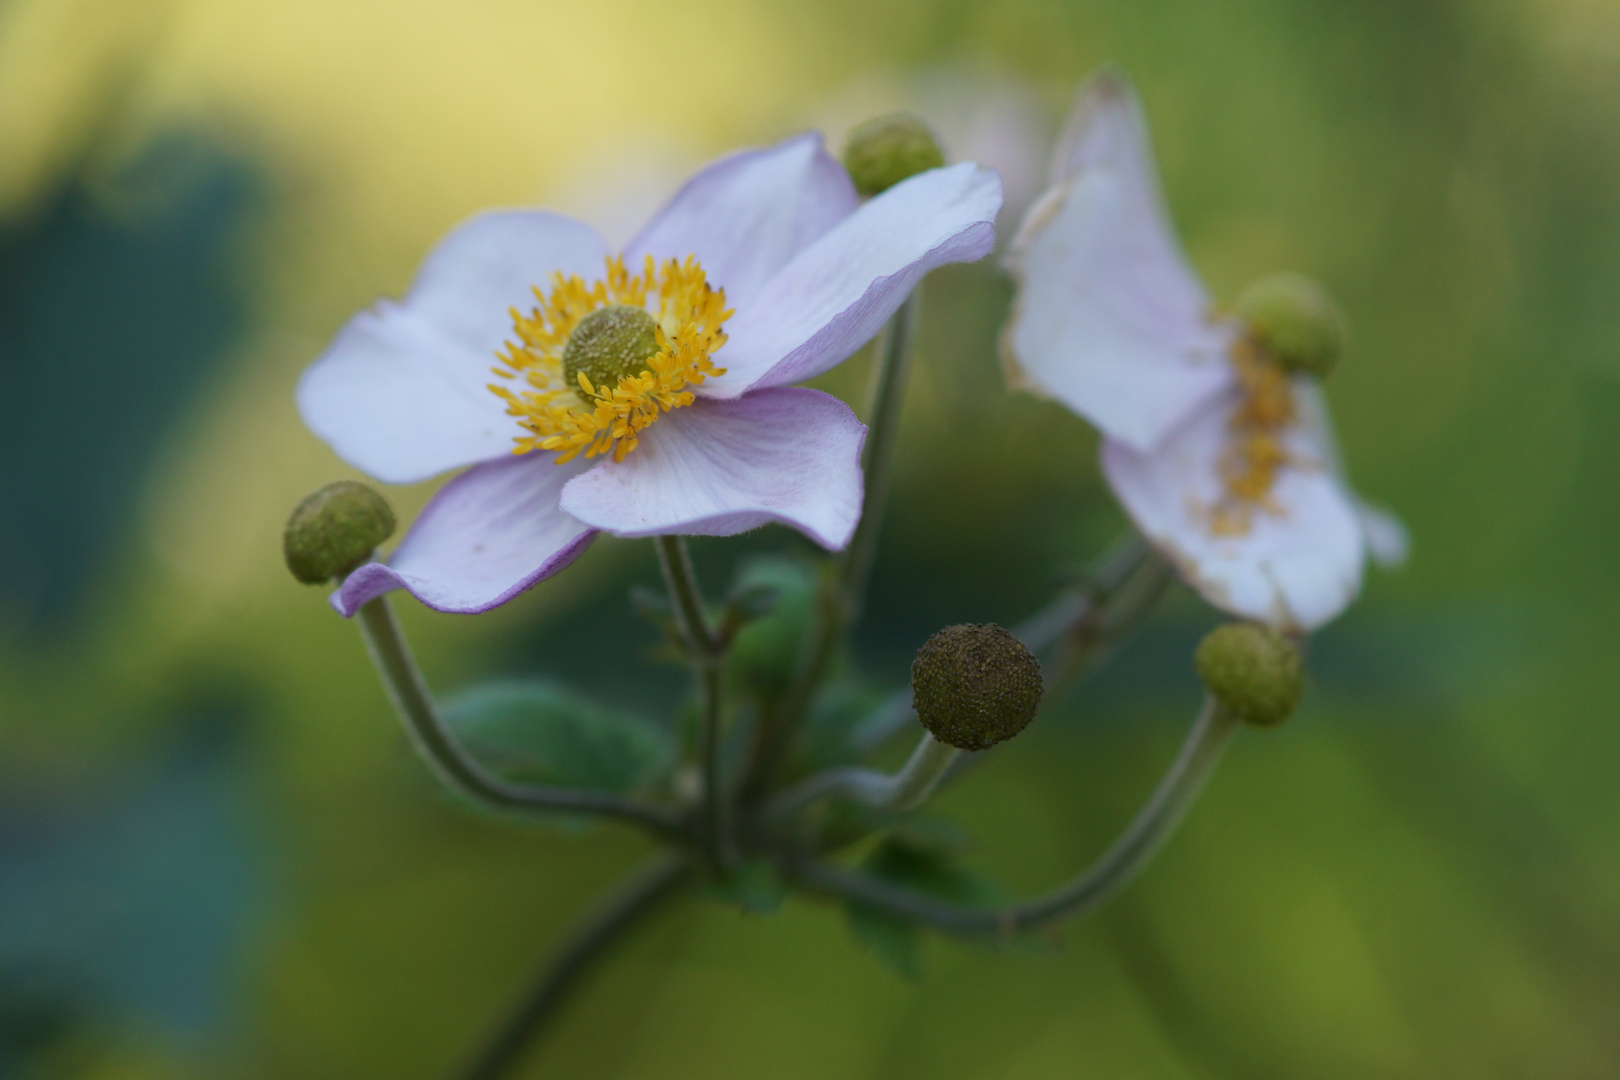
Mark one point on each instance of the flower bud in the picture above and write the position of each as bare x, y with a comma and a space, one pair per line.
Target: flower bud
1252, 671
884, 151
975, 685
335, 530
1294, 321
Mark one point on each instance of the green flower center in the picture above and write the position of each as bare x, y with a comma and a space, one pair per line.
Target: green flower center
609, 344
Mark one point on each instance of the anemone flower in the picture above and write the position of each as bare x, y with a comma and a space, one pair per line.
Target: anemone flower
640, 393
1216, 437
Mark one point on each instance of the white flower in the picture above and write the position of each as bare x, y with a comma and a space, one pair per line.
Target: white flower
763, 271
1226, 463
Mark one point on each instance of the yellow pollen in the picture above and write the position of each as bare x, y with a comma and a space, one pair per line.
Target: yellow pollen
1254, 451
591, 418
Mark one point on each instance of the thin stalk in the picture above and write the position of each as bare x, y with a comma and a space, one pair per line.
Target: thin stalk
707, 658
841, 600
902, 791
877, 458
616, 914
1117, 867
458, 769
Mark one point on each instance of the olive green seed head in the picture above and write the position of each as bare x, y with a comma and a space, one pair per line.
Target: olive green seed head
335, 530
888, 149
1295, 322
1252, 671
975, 685
609, 344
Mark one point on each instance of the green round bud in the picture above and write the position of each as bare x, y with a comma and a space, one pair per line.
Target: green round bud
884, 151
609, 344
975, 685
1295, 322
1252, 671
335, 530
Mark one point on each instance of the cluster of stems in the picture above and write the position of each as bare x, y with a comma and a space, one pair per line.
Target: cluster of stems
745, 815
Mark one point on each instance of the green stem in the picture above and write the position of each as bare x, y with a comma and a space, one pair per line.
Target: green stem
1117, 867
877, 464
902, 791
631, 902
707, 656
458, 769
840, 602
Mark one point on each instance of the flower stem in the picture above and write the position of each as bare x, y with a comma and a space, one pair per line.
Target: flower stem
708, 658
1117, 867
883, 429
615, 915
902, 791
840, 601
458, 769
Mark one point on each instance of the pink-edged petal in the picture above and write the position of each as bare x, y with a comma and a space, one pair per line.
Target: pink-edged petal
747, 215
1109, 319
716, 468
838, 292
1296, 569
487, 535
402, 392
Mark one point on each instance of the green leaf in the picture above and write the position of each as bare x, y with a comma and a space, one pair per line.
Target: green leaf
838, 708
928, 866
754, 886
540, 732
896, 943
766, 648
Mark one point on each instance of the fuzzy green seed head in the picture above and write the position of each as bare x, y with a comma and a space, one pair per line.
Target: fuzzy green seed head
884, 151
1295, 321
609, 344
335, 530
1252, 671
975, 685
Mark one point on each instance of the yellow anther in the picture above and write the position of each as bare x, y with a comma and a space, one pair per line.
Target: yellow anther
1255, 452
685, 317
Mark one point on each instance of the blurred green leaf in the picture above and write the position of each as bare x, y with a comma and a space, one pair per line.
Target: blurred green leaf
753, 886
838, 709
923, 860
766, 648
540, 732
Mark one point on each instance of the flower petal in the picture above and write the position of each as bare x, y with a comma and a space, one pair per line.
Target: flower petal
402, 392
1295, 570
487, 535
748, 214
837, 293
716, 468
1387, 540
1109, 319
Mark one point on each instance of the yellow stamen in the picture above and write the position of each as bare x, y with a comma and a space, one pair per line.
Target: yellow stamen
593, 418
1255, 452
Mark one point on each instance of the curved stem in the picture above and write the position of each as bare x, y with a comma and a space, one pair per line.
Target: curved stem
707, 658
620, 911
458, 769
1132, 851
904, 790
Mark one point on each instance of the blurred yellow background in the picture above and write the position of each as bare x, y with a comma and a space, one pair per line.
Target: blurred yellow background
217, 856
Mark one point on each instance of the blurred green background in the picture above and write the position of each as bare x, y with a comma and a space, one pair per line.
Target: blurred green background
218, 857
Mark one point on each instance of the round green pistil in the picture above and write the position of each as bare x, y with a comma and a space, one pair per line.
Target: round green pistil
609, 344
1294, 320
